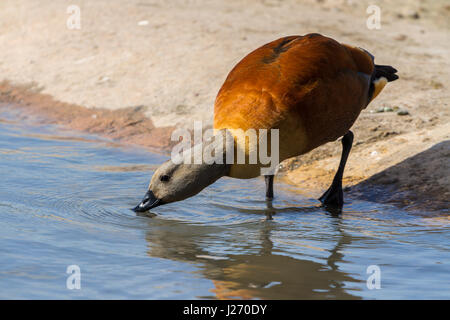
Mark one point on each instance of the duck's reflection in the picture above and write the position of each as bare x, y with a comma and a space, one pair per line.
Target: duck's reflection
262, 271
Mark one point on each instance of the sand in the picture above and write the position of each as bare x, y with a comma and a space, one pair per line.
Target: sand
136, 69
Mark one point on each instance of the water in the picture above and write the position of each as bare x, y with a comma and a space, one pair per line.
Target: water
65, 200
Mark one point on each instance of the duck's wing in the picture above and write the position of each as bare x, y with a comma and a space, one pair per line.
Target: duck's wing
292, 75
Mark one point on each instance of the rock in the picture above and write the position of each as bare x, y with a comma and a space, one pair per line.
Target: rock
387, 109
403, 112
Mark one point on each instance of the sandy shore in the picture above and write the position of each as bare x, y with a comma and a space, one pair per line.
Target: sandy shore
137, 69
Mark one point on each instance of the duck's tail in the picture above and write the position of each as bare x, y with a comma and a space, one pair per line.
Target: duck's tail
385, 71
380, 77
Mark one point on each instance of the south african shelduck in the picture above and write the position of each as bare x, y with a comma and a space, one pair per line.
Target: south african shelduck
311, 88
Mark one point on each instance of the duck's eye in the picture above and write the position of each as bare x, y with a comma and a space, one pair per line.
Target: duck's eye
164, 178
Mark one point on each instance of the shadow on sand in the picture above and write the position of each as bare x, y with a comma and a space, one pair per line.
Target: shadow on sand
420, 182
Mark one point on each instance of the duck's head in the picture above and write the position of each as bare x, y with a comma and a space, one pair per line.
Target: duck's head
173, 182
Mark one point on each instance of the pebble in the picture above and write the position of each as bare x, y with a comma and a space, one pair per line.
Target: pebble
403, 112
401, 37
143, 23
383, 109
414, 15
103, 79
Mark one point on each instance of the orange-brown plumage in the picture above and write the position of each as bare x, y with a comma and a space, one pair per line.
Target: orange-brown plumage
311, 88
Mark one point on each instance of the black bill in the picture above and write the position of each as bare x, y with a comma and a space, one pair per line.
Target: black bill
149, 201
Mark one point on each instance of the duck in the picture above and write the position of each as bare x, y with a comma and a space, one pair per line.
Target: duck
308, 89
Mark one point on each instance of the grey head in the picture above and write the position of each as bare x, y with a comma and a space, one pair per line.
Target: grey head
175, 182
180, 179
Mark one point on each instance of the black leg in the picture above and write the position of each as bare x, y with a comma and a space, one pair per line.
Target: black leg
269, 187
270, 211
334, 195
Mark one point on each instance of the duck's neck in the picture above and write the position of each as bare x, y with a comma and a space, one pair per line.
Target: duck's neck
209, 157
219, 156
